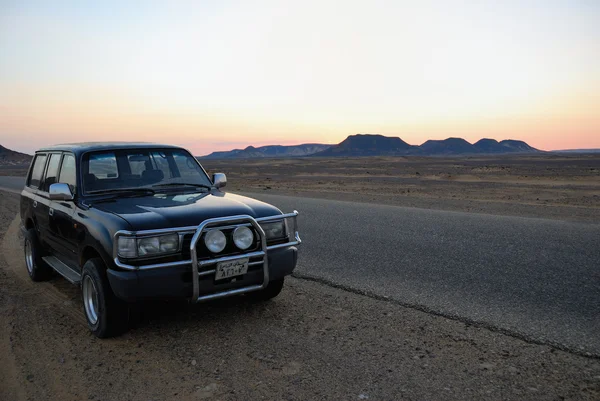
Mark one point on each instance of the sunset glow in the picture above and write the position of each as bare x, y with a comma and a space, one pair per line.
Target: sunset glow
218, 75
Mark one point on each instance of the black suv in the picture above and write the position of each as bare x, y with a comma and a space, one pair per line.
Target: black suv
133, 221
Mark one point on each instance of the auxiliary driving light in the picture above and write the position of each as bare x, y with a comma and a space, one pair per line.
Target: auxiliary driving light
243, 237
215, 241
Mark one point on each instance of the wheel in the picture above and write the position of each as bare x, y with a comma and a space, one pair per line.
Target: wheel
106, 315
273, 289
38, 269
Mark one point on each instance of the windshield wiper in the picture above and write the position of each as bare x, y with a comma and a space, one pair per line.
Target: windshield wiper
182, 184
124, 191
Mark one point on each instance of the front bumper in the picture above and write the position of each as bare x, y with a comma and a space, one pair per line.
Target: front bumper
176, 282
194, 279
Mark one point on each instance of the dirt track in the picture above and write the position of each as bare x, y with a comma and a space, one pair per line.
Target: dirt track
312, 342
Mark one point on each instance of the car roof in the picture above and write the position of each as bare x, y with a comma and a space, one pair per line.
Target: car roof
83, 147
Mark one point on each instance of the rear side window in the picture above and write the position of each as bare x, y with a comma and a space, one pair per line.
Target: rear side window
51, 171
37, 171
67, 172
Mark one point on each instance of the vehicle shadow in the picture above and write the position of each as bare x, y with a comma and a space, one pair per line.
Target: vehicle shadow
240, 310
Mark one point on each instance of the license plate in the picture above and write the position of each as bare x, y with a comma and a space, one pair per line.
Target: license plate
231, 268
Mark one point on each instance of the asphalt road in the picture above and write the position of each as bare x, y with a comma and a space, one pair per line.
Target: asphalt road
535, 278
12, 184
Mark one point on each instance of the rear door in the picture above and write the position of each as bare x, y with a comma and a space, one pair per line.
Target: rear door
35, 182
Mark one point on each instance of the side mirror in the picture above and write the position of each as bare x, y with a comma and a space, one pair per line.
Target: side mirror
219, 180
60, 192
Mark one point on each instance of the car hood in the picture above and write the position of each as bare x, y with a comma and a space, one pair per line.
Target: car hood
183, 210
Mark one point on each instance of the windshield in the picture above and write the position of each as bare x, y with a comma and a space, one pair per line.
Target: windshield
140, 168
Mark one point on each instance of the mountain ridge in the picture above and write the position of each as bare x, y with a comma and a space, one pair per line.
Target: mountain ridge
250, 152
379, 145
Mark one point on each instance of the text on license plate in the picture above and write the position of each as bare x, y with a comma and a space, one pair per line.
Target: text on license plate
231, 268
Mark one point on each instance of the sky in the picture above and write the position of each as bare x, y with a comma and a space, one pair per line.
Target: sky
217, 75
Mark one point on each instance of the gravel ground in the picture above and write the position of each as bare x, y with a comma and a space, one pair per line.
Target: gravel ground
312, 342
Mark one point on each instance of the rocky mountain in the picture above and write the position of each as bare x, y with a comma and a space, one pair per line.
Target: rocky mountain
269, 151
368, 145
11, 158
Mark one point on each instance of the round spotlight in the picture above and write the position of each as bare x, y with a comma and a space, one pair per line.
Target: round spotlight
243, 237
215, 241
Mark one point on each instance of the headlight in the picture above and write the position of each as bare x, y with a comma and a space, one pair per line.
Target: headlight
274, 230
243, 237
215, 241
156, 245
131, 247
126, 247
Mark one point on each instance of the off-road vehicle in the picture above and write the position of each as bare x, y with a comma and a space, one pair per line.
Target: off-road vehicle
135, 221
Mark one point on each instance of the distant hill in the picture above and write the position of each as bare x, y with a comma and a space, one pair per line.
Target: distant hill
450, 146
368, 145
269, 151
11, 158
379, 145
506, 146
512, 145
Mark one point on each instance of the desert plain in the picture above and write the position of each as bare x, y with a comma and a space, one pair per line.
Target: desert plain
545, 185
315, 341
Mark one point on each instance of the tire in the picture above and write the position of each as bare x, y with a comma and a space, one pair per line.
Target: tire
38, 269
273, 289
106, 315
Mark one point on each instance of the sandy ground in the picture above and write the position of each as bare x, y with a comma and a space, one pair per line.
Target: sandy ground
312, 342
561, 187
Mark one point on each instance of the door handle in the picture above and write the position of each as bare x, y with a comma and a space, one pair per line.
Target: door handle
51, 212
34, 203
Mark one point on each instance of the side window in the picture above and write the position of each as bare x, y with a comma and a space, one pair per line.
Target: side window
37, 171
67, 172
51, 171
103, 165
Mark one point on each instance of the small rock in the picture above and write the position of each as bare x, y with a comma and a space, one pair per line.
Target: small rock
193, 362
487, 366
207, 392
363, 397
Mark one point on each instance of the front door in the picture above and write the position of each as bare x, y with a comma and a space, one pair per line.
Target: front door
62, 231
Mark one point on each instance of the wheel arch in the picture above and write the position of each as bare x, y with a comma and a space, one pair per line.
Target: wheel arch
90, 252
29, 224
